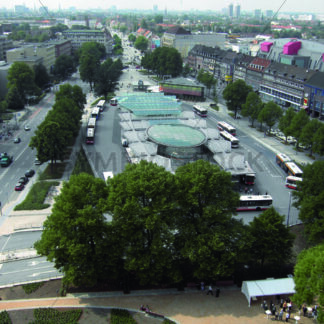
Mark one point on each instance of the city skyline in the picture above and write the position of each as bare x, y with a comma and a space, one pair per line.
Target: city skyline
313, 6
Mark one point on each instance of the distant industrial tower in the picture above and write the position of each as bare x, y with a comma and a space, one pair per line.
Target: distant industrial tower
257, 13
237, 11
230, 10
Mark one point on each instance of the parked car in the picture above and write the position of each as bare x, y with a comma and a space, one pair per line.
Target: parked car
27, 128
17, 140
23, 180
29, 173
37, 162
19, 186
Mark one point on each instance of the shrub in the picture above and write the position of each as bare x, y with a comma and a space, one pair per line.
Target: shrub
30, 288
121, 316
4, 318
54, 316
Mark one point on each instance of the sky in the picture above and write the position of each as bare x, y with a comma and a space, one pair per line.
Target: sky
311, 6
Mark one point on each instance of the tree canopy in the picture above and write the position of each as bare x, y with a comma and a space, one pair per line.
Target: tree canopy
64, 65
285, 122
252, 106
298, 123
141, 43
271, 113
235, 95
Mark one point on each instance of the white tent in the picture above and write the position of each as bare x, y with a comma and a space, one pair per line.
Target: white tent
268, 287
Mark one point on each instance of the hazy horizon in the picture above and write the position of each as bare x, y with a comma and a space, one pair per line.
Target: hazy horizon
313, 6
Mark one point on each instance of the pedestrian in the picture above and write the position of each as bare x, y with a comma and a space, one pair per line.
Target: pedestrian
246, 189
284, 306
287, 317
202, 286
210, 290
266, 193
281, 314
304, 310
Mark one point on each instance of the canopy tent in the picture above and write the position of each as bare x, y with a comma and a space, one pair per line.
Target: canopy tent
268, 287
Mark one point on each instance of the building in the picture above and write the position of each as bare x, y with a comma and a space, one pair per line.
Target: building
231, 10
4, 68
62, 47
254, 72
314, 95
257, 13
79, 37
269, 13
237, 11
5, 45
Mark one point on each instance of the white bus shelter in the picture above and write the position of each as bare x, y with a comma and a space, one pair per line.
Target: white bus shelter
267, 287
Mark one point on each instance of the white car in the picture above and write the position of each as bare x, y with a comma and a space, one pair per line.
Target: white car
27, 128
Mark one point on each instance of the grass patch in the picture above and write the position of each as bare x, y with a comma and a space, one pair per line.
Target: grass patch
36, 196
82, 164
53, 316
4, 318
232, 114
121, 316
30, 288
54, 171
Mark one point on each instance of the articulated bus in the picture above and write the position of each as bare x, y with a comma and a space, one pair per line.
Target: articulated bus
254, 202
282, 159
293, 170
228, 137
292, 182
200, 111
95, 112
113, 102
101, 105
226, 127
92, 123
90, 136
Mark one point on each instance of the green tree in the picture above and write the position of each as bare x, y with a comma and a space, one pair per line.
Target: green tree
49, 142
285, 122
309, 279
308, 133
75, 93
42, 78
76, 236
298, 123
63, 65
252, 107
206, 79
141, 202
271, 240
13, 99
132, 38
207, 235
141, 43
271, 113
235, 95
21, 76
318, 141
310, 201
144, 24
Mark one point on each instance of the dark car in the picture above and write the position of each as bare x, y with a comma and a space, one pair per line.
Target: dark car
19, 186
17, 140
29, 173
23, 180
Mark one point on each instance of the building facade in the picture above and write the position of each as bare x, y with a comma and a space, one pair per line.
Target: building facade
314, 95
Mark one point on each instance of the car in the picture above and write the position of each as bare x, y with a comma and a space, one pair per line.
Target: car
17, 140
23, 180
29, 173
27, 128
19, 186
37, 162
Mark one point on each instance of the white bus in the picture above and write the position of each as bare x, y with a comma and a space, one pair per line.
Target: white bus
228, 137
254, 202
282, 159
95, 112
226, 127
101, 105
292, 182
92, 123
293, 170
200, 111
113, 102
90, 136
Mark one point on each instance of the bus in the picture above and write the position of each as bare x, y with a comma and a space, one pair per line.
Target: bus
226, 127
113, 102
101, 105
228, 137
90, 136
293, 170
292, 182
200, 111
95, 112
92, 123
282, 159
254, 202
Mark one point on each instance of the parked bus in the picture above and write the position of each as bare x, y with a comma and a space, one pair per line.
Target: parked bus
293, 170
254, 202
228, 137
92, 123
101, 105
200, 111
95, 112
113, 102
226, 127
90, 136
292, 182
282, 159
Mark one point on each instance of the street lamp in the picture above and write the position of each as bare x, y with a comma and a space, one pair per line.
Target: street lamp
289, 203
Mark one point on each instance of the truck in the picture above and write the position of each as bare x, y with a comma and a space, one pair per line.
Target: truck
5, 160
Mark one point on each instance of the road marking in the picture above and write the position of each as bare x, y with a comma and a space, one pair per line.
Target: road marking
39, 273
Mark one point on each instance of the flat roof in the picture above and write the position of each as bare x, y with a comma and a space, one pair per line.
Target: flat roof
176, 135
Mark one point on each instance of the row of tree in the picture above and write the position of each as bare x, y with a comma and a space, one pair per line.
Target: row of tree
61, 125
165, 228
163, 61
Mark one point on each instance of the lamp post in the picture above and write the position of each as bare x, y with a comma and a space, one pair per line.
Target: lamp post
289, 203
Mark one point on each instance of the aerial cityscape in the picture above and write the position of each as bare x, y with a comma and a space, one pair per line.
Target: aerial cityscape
161, 162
